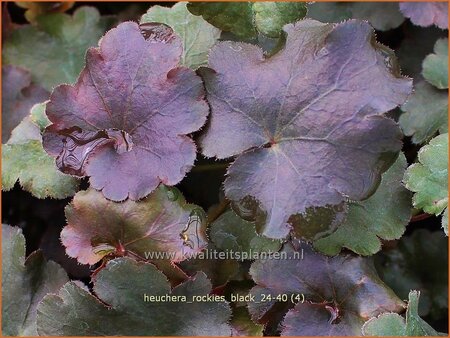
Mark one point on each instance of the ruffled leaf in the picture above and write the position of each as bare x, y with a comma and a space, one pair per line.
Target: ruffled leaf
198, 36
119, 306
232, 233
162, 223
250, 18
425, 113
333, 296
426, 13
124, 122
435, 66
307, 123
428, 178
24, 160
392, 324
384, 215
25, 282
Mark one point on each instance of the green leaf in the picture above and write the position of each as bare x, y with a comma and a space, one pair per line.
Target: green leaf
270, 17
197, 35
425, 113
250, 18
24, 283
38, 116
121, 309
231, 233
333, 296
419, 262
24, 159
219, 271
382, 16
58, 44
429, 178
384, 215
435, 66
242, 324
318, 222
392, 324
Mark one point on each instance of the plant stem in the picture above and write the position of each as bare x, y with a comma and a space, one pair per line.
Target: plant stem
420, 217
218, 210
210, 167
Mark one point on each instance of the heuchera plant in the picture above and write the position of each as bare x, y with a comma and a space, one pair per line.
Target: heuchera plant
250, 168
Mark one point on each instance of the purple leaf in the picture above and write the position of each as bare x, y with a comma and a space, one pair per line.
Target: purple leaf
333, 296
124, 122
19, 95
426, 13
307, 123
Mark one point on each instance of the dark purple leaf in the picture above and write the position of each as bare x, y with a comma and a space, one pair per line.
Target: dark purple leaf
426, 13
333, 296
307, 123
19, 95
124, 122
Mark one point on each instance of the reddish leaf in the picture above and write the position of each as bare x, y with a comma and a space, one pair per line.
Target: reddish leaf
124, 122
19, 95
307, 122
161, 223
333, 296
426, 13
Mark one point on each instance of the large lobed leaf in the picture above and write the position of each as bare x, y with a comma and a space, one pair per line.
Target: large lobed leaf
24, 283
426, 13
392, 324
25, 160
307, 123
428, 178
161, 223
384, 215
124, 122
120, 308
58, 44
198, 36
340, 293
19, 94
247, 19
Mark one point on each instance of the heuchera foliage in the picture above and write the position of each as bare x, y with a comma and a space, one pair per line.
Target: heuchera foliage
313, 153
303, 143
426, 13
124, 122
